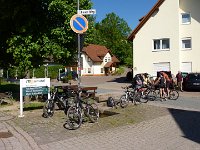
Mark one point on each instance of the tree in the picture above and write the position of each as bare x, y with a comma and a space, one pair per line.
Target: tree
112, 32
33, 30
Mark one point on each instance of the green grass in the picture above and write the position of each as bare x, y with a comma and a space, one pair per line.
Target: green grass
33, 106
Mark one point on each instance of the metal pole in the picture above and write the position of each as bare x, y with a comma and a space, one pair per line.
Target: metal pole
79, 59
79, 63
78, 6
33, 73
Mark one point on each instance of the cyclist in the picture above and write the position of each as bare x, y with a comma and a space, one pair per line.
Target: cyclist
146, 80
162, 85
168, 82
137, 82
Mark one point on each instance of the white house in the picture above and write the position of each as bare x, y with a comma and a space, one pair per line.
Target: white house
168, 38
97, 60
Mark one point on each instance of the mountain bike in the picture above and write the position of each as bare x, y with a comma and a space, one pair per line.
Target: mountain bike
140, 95
81, 110
62, 99
148, 93
131, 94
173, 94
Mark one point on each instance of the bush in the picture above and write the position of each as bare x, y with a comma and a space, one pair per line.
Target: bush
119, 71
38, 72
52, 71
15, 88
65, 80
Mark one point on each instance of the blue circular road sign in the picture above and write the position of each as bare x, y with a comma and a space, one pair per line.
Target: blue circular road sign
79, 23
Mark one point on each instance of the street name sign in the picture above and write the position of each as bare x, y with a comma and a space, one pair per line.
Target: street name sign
87, 12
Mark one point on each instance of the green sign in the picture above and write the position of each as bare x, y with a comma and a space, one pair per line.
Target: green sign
27, 91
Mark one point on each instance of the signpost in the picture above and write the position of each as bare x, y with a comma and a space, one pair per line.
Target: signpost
33, 87
79, 24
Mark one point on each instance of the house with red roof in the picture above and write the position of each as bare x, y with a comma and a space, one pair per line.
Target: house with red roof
98, 60
167, 38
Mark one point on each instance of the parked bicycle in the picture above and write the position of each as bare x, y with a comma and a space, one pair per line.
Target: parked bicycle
6, 97
131, 94
62, 99
141, 95
82, 109
173, 94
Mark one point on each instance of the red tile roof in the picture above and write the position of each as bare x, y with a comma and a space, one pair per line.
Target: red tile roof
97, 52
144, 19
108, 64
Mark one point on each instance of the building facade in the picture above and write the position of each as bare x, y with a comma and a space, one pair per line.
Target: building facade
97, 60
167, 38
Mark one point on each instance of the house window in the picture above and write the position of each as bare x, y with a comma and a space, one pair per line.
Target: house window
88, 59
89, 70
186, 18
106, 59
186, 43
102, 70
109, 59
161, 44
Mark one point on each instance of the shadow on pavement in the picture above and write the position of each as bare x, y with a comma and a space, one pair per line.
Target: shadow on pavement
120, 80
189, 123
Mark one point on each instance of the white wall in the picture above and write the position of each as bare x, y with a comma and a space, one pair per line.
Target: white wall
191, 30
163, 24
86, 65
95, 67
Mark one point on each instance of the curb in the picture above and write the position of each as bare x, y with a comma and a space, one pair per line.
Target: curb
25, 140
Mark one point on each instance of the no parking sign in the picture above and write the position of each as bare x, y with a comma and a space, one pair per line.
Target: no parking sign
79, 23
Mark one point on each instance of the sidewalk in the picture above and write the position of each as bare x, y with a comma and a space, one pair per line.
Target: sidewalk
160, 133
13, 137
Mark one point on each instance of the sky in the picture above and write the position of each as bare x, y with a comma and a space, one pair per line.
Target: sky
130, 10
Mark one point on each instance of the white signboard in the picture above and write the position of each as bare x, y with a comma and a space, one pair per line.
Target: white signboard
35, 82
33, 87
87, 12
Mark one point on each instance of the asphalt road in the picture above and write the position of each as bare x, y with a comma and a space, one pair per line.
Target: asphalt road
186, 101
113, 84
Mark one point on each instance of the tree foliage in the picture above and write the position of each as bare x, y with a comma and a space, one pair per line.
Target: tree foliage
112, 32
33, 30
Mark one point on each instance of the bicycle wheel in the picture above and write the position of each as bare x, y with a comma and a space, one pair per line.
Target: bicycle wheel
48, 109
157, 94
74, 117
124, 101
93, 112
137, 98
173, 94
151, 95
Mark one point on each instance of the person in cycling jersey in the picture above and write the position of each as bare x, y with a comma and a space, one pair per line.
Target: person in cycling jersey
162, 85
146, 80
167, 82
